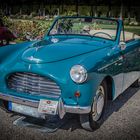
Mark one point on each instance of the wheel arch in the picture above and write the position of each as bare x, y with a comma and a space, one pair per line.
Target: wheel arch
110, 87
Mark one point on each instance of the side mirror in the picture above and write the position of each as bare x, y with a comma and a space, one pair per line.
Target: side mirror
122, 46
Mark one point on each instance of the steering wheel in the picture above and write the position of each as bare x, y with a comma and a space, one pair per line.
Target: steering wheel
104, 34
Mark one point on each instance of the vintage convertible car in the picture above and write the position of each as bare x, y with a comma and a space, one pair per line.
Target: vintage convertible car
80, 64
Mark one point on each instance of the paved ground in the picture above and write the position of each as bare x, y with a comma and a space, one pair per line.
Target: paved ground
122, 122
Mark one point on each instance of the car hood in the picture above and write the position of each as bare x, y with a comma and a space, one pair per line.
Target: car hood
62, 50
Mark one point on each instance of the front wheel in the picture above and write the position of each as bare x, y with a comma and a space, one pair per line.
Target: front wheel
94, 119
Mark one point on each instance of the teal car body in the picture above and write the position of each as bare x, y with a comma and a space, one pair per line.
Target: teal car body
55, 55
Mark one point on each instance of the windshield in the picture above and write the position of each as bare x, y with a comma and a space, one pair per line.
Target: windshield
102, 28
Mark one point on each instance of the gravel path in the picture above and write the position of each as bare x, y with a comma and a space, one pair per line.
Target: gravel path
122, 122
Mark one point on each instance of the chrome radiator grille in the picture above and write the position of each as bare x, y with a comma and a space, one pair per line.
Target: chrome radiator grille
33, 84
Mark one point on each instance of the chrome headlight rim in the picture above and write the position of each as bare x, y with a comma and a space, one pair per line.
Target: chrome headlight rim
78, 70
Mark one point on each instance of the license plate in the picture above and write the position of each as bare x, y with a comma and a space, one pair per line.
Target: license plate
26, 110
48, 107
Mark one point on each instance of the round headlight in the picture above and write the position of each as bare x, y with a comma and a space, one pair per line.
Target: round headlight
78, 74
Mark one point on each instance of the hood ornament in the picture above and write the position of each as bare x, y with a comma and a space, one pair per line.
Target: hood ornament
33, 59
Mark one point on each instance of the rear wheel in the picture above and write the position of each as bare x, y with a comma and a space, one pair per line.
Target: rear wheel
94, 119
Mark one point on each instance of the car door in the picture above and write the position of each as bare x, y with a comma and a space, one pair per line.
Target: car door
131, 55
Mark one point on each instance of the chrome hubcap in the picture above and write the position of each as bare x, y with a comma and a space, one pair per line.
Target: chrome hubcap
98, 104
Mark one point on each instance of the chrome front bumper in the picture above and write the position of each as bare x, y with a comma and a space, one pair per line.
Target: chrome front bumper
35, 104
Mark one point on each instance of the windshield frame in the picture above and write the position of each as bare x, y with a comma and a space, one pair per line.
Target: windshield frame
100, 18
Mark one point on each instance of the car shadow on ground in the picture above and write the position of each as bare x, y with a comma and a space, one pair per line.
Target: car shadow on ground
73, 123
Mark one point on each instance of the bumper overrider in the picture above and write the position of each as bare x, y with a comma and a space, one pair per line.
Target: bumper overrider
33, 105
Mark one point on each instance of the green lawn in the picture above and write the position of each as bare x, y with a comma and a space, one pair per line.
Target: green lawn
134, 29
